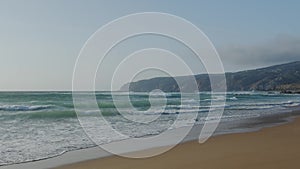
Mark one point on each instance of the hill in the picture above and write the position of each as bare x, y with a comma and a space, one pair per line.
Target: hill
284, 78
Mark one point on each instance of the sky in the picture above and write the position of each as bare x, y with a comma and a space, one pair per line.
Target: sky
40, 40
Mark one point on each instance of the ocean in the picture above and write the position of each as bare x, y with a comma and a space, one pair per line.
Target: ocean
40, 125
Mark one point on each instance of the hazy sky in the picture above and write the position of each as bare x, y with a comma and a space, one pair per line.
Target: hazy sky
40, 40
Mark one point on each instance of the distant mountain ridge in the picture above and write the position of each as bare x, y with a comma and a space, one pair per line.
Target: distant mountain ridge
284, 78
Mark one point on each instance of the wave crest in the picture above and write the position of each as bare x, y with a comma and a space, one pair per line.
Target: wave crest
23, 107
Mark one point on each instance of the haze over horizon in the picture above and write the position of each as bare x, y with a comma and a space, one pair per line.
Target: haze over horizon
40, 40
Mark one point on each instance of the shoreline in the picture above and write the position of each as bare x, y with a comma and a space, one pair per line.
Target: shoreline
95, 153
269, 148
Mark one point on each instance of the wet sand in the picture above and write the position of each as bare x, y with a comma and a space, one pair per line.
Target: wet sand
270, 148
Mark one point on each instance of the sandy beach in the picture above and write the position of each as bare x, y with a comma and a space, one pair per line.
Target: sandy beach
149, 84
269, 148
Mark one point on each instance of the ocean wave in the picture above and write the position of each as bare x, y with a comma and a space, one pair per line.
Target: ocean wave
266, 104
24, 107
56, 114
233, 98
251, 107
50, 114
228, 117
291, 104
216, 98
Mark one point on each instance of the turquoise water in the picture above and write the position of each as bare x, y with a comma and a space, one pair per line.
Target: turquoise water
38, 125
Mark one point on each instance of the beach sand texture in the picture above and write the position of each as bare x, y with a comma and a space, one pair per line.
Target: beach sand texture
270, 148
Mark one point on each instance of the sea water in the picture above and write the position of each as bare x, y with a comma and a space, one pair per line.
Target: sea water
39, 125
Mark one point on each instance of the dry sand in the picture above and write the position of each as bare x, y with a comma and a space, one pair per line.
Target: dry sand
270, 148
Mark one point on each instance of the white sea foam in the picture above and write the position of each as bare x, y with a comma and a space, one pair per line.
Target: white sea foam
54, 127
23, 107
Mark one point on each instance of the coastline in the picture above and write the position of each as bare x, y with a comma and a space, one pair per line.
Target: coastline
92, 155
269, 148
